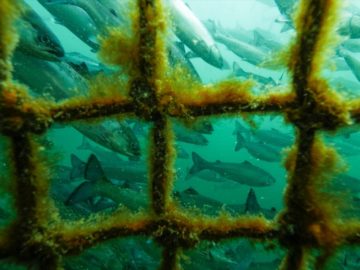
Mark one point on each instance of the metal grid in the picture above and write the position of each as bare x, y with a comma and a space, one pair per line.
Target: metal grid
311, 106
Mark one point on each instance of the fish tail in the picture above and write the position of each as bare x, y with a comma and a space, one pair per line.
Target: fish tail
83, 192
85, 145
93, 170
252, 205
237, 70
77, 167
199, 164
240, 141
94, 173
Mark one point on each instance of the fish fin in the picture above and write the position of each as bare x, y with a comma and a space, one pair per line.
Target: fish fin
77, 167
180, 46
85, 145
199, 164
225, 65
213, 25
247, 163
287, 26
252, 205
93, 170
258, 38
240, 141
191, 54
93, 43
191, 191
237, 70
83, 192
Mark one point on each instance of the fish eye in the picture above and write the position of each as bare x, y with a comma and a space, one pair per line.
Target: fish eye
43, 39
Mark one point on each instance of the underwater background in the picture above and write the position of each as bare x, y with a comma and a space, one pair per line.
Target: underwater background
242, 157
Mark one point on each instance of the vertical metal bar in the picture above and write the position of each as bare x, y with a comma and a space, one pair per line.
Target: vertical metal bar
170, 259
160, 165
295, 259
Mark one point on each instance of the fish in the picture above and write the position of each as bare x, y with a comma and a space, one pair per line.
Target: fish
351, 44
345, 86
345, 183
190, 198
177, 57
258, 149
114, 135
286, 8
190, 30
352, 62
245, 51
54, 80
268, 136
85, 66
59, 80
76, 20
244, 173
339, 63
243, 252
105, 156
342, 146
265, 39
207, 175
204, 258
35, 37
252, 206
129, 174
102, 17
189, 136
239, 72
202, 126
350, 26
236, 32
118, 8
97, 184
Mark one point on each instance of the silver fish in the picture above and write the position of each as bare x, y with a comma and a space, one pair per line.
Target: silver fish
114, 135
97, 184
36, 39
53, 79
76, 20
242, 49
189, 136
350, 26
193, 33
352, 62
239, 72
258, 150
126, 171
244, 173
101, 16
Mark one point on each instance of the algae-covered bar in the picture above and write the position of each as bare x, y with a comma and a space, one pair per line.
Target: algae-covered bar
142, 83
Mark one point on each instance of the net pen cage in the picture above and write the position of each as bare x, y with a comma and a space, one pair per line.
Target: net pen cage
310, 228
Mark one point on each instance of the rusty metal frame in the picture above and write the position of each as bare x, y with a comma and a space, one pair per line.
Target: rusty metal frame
311, 106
